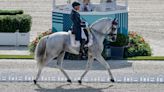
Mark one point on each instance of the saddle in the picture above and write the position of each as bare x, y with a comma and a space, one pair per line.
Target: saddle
86, 36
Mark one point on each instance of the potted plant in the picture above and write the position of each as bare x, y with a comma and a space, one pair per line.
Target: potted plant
14, 27
117, 47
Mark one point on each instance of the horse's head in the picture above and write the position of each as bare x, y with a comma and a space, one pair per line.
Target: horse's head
113, 31
106, 26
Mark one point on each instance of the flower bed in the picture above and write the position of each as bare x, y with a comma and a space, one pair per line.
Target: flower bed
33, 44
137, 46
134, 44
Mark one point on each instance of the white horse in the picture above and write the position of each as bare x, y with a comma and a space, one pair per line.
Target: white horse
56, 44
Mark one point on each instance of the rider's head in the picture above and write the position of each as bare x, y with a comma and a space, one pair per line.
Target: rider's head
76, 5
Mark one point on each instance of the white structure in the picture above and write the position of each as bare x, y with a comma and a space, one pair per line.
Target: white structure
100, 8
14, 39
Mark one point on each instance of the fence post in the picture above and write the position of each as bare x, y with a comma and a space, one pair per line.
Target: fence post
54, 4
17, 38
126, 3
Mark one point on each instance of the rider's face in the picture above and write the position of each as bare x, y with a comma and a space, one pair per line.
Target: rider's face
77, 8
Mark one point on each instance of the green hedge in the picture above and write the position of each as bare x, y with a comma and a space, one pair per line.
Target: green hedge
12, 23
11, 12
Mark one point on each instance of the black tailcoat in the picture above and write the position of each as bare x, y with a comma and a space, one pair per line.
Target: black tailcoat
75, 17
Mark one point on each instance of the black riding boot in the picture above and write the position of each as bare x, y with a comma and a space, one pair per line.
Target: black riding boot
82, 43
87, 35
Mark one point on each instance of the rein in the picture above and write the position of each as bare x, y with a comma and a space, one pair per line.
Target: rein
105, 34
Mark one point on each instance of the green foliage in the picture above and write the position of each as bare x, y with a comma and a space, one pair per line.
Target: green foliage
134, 43
122, 40
137, 46
12, 23
16, 57
154, 58
159, 58
11, 12
24, 23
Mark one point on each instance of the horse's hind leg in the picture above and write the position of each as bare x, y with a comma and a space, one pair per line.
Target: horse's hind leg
38, 74
104, 63
40, 68
88, 66
59, 65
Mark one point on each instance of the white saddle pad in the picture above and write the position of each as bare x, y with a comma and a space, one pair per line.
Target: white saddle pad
75, 43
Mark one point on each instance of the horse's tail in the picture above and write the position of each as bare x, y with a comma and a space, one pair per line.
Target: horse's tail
40, 52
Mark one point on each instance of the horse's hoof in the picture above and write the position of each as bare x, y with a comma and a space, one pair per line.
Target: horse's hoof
80, 82
35, 82
112, 80
69, 81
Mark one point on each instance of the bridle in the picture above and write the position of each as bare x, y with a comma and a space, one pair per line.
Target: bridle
113, 28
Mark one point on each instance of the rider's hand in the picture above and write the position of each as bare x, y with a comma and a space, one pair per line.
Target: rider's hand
83, 22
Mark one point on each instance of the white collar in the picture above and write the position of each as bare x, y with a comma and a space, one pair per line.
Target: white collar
75, 10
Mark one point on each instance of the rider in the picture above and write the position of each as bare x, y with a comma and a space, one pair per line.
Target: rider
77, 24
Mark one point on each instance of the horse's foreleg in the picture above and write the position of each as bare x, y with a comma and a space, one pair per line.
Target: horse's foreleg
88, 66
106, 65
59, 65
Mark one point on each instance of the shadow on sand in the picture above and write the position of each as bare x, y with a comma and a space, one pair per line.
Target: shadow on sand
67, 88
80, 65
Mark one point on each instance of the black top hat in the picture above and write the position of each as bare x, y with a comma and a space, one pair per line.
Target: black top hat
75, 4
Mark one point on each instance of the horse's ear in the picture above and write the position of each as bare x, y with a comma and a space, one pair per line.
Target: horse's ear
115, 21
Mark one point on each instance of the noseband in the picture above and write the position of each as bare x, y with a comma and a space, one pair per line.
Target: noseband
113, 29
